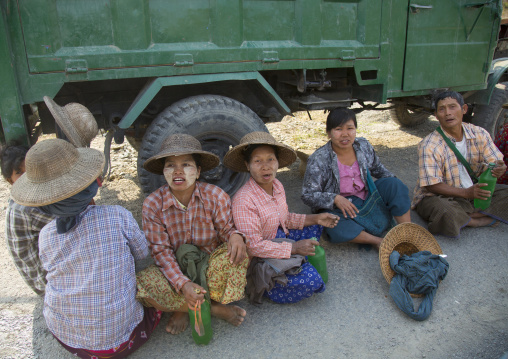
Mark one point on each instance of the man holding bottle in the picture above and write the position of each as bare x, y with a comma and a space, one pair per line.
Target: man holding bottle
446, 189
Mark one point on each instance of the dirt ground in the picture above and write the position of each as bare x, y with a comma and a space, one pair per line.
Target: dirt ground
354, 318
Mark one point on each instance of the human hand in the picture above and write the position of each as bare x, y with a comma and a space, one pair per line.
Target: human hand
500, 169
475, 191
193, 293
347, 207
326, 219
305, 247
237, 250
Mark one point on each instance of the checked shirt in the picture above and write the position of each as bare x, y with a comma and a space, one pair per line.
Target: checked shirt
206, 223
22, 227
438, 164
90, 300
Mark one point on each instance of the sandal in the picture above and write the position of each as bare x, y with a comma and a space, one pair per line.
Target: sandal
493, 224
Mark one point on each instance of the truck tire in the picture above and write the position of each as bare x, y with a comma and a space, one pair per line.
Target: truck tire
493, 116
217, 122
406, 117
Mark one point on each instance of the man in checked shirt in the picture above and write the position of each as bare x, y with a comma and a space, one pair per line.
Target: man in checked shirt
188, 216
445, 191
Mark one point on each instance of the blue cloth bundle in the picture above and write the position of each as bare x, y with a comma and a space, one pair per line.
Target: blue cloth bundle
419, 273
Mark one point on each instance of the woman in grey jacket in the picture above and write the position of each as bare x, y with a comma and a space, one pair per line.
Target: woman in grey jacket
338, 180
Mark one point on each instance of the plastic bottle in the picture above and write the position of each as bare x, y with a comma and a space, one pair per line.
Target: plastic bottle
486, 177
318, 260
206, 330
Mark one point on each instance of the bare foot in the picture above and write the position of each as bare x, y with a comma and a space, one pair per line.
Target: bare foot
482, 222
367, 238
177, 323
230, 313
477, 215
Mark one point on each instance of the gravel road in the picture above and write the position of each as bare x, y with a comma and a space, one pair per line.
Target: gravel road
354, 318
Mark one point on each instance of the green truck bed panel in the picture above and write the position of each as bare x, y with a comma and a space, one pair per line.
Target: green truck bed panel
127, 33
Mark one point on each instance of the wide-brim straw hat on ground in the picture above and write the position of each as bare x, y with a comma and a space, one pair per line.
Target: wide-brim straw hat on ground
76, 121
235, 160
56, 170
405, 238
177, 145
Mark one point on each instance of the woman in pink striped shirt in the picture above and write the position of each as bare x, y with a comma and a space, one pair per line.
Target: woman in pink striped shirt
260, 212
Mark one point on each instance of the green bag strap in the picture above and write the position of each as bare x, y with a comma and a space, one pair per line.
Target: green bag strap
458, 154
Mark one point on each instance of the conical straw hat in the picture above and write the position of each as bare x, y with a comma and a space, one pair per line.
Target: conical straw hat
177, 145
405, 238
76, 121
235, 160
56, 170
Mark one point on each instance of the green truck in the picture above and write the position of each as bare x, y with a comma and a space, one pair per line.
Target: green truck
218, 69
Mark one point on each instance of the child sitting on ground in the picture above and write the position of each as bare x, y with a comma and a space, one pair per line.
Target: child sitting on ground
23, 224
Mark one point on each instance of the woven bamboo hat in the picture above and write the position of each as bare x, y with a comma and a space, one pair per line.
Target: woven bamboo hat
177, 145
56, 170
405, 238
235, 160
76, 122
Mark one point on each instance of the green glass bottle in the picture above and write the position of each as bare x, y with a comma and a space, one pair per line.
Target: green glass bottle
486, 177
318, 260
205, 331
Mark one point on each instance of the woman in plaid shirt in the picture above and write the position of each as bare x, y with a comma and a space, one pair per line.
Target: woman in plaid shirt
189, 215
88, 253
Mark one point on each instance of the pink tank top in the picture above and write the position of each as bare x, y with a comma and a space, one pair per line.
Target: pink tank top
351, 183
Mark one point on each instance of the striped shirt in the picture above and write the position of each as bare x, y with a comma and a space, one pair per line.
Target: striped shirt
22, 228
259, 215
90, 300
206, 223
439, 164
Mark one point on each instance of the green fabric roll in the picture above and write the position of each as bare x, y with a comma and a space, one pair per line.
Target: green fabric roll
193, 264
